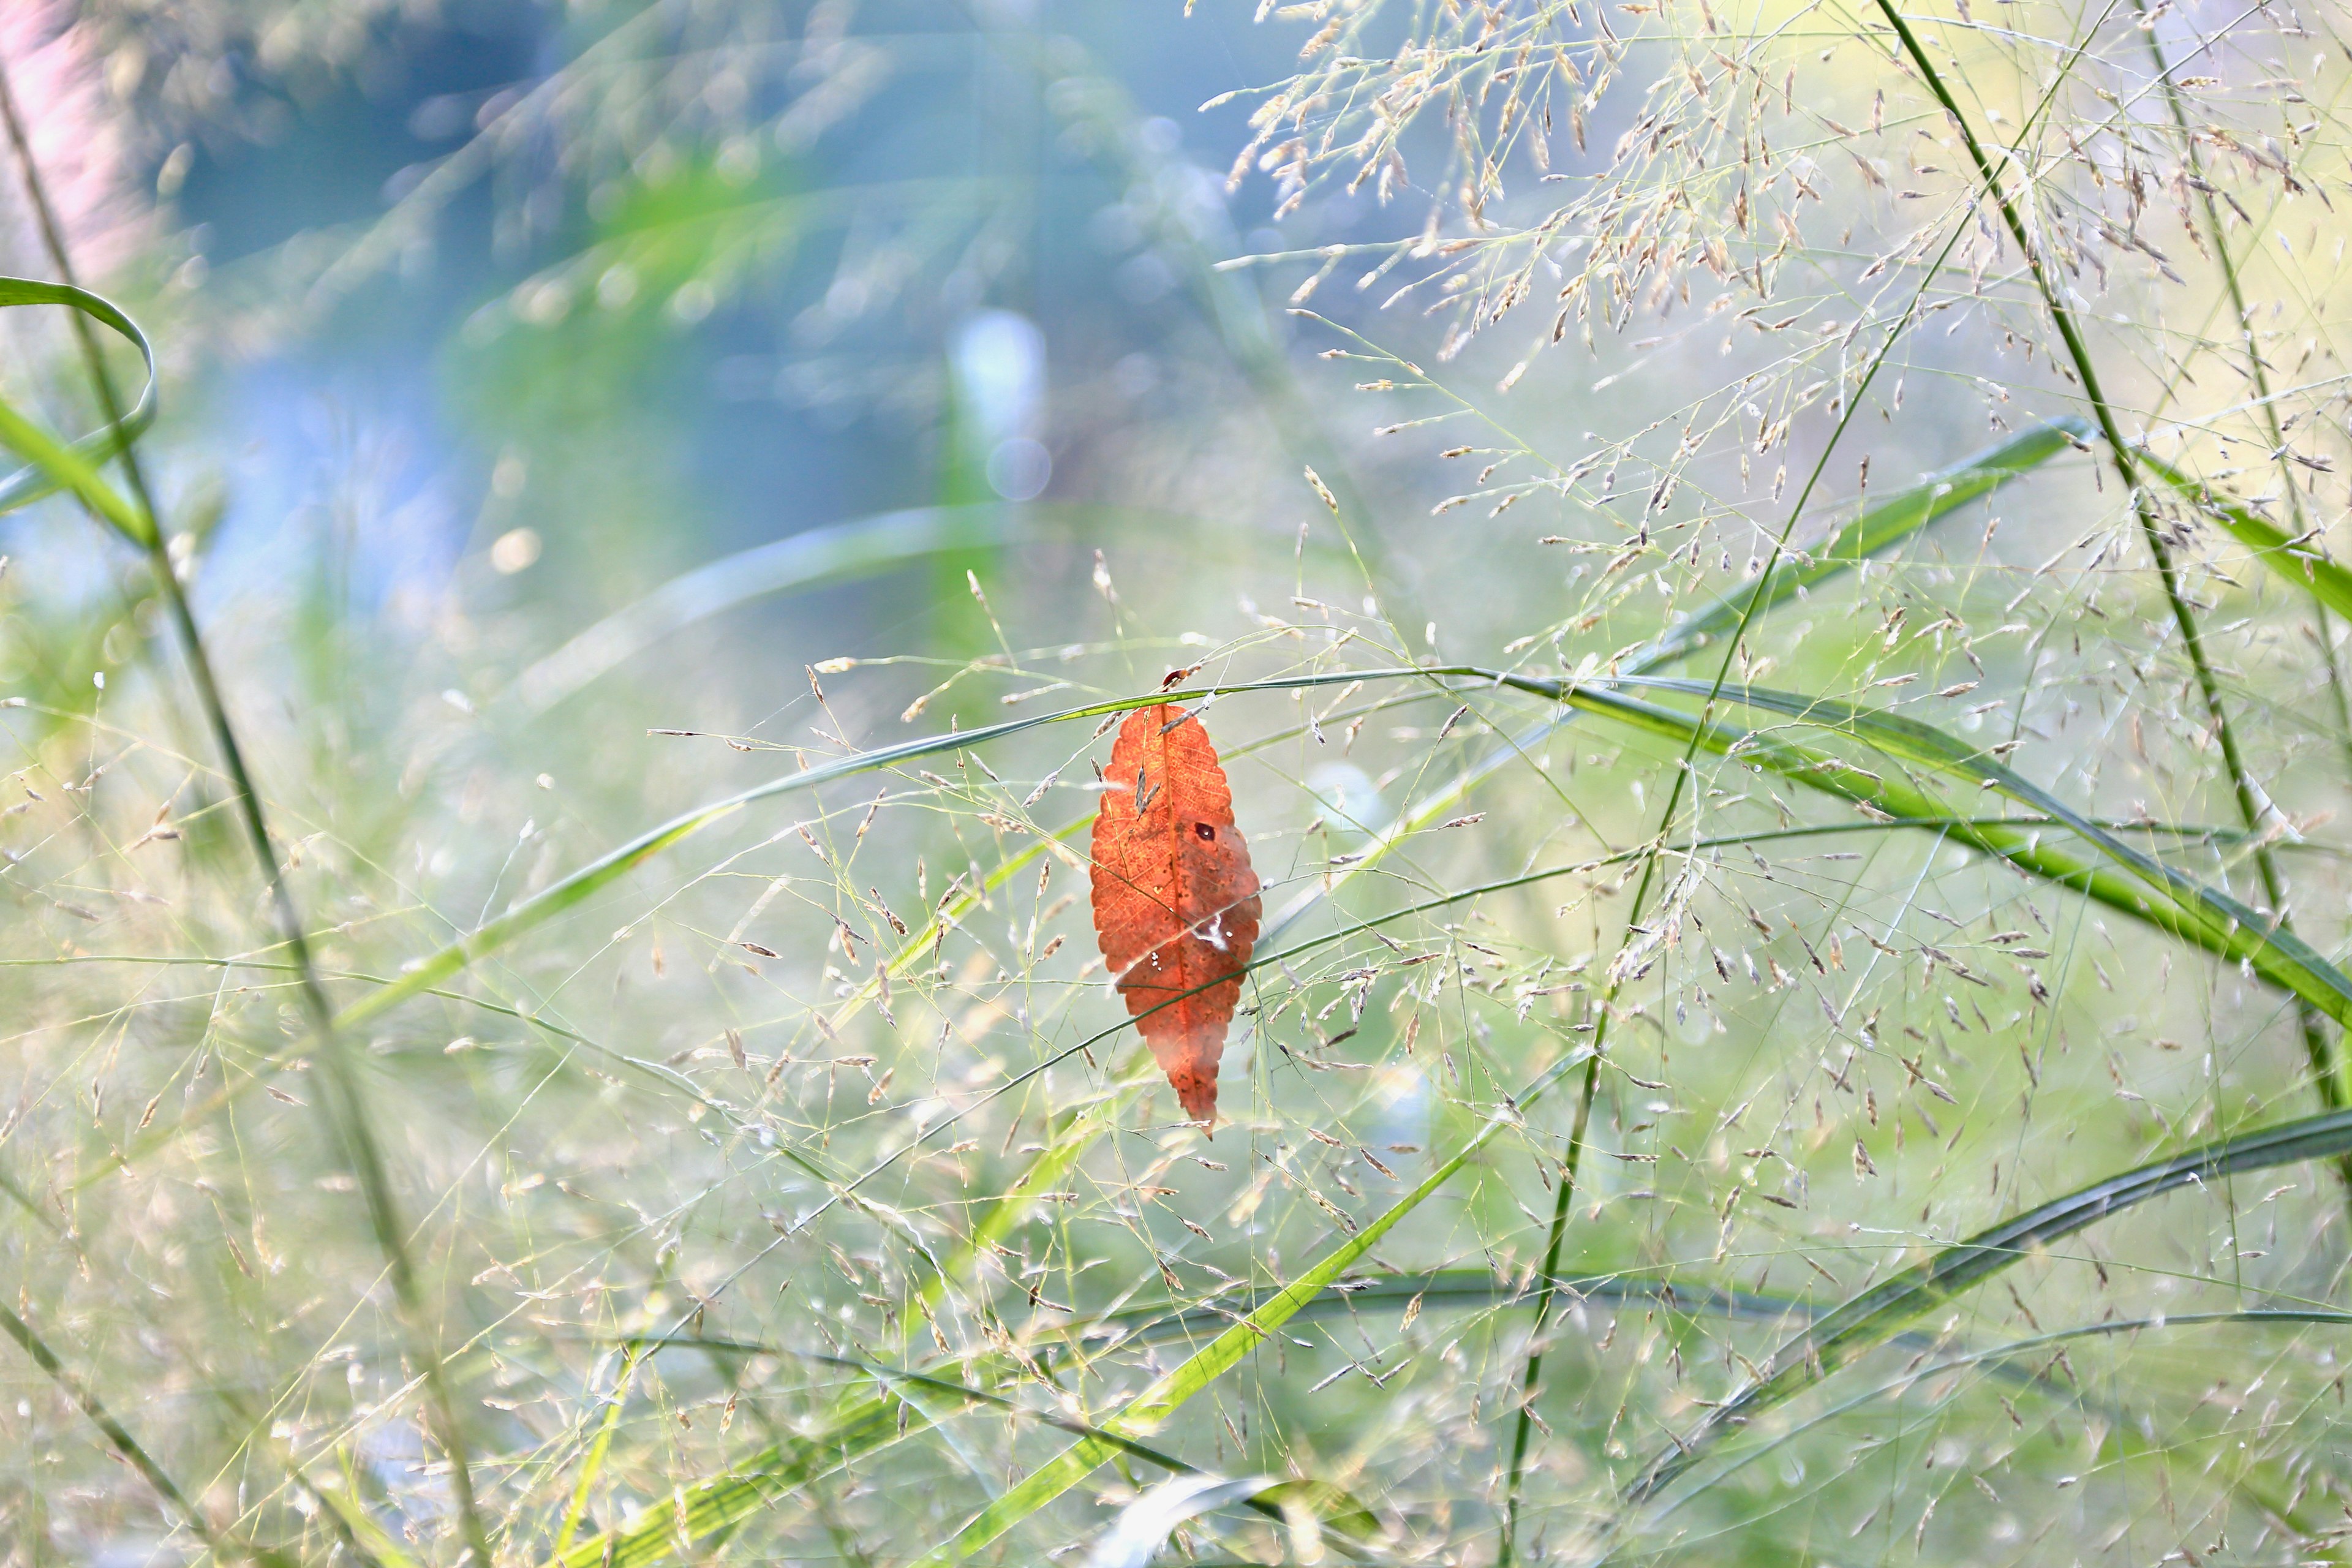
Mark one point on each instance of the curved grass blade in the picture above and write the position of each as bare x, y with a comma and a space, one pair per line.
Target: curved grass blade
362, 1536
598, 1447
2280, 956
692, 1512
66, 469
1334, 1507
1875, 531
1134, 1537
1866, 1320
57, 464
1152, 1409
879, 1421
2022, 846
2210, 919
1997, 1360
2297, 561
1440, 1287
842, 553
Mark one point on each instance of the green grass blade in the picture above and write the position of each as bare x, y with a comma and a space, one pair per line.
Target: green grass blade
2278, 955
2000, 1359
366, 1539
1875, 531
822, 557
55, 464
2201, 920
2302, 563
1136, 1532
1868, 1319
1152, 1409
1437, 1288
690, 1513
67, 468
594, 1464
865, 1425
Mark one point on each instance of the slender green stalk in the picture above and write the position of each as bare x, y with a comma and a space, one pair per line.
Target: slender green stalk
2325, 1064
2218, 235
1152, 1409
2326, 1069
1759, 599
1870, 1318
2297, 560
128, 1448
1546, 1291
597, 1448
346, 1109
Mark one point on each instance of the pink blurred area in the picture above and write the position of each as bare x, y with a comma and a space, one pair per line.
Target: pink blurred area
80, 141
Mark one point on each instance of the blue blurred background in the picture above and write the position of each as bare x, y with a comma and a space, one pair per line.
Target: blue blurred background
735, 281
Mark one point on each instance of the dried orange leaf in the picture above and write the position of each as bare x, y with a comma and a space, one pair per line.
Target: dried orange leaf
1176, 905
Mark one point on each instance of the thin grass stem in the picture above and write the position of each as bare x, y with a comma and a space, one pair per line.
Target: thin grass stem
348, 1113
2326, 1067
133, 1452
1759, 599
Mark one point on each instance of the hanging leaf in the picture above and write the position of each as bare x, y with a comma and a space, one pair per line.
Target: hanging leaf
1176, 905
